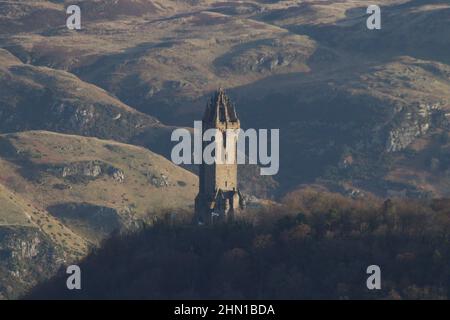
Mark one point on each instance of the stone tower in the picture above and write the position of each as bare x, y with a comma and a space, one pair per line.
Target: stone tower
219, 198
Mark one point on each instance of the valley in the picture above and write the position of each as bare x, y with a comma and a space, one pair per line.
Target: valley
86, 115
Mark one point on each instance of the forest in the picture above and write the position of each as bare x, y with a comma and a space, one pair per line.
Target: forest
315, 245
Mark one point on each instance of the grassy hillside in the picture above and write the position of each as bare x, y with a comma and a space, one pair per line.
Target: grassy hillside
12, 211
54, 169
33, 244
44, 98
338, 89
360, 113
21, 212
62, 194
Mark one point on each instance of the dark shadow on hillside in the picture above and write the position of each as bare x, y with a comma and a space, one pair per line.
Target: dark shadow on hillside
404, 32
92, 221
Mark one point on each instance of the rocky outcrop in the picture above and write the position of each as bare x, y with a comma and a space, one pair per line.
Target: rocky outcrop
158, 180
27, 256
79, 171
410, 124
286, 51
118, 175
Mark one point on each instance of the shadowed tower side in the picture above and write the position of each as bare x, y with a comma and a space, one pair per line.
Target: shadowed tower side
219, 197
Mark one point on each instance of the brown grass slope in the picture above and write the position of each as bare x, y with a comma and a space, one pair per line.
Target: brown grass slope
84, 180
337, 87
62, 194
44, 98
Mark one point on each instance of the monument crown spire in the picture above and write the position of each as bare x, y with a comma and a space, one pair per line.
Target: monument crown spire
220, 109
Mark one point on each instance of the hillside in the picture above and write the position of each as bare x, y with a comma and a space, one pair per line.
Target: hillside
338, 89
86, 118
69, 192
33, 244
41, 98
48, 99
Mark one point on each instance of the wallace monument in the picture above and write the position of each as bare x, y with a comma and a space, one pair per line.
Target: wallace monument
219, 198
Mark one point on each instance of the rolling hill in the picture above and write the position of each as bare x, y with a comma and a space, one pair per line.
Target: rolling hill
86, 116
62, 194
339, 89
